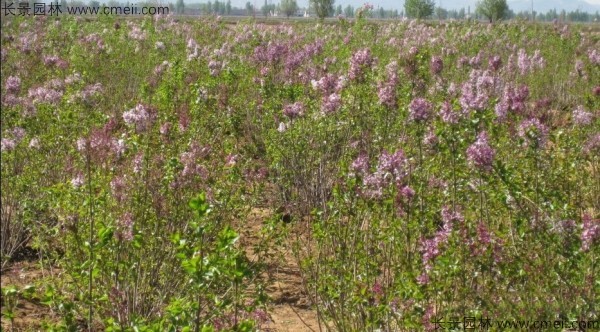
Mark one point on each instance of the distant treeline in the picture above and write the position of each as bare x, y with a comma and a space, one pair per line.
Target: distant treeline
268, 8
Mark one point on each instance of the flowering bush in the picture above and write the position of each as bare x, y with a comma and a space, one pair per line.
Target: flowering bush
420, 171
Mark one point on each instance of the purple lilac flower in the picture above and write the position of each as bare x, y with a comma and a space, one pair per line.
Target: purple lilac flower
594, 56
437, 65
184, 121
387, 88
294, 110
512, 100
527, 63
590, 233
373, 185
564, 227
34, 143
448, 114
386, 94
137, 117
581, 117
328, 84
90, 91
391, 71
431, 248
231, 160
475, 62
331, 103
476, 92
165, 128
118, 188
44, 95
118, 147
125, 228
592, 145
215, 67
13, 84
524, 62
423, 279
190, 159
12, 100
360, 165
377, 289
480, 154
430, 139
420, 110
534, 133
394, 164
138, 162
77, 181
407, 192
282, 127
7, 144
495, 63
483, 239
18, 133
359, 62
136, 33
53, 60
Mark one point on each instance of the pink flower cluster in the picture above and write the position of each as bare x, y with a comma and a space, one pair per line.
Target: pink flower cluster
390, 167
581, 117
420, 110
590, 233
480, 154
528, 63
387, 89
534, 133
138, 117
431, 248
360, 62
330, 87
478, 90
512, 100
294, 110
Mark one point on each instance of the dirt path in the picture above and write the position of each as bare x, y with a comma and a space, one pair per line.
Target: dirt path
290, 312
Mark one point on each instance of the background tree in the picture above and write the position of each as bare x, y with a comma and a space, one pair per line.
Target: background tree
289, 7
249, 9
228, 7
441, 13
419, 9
179, 7
338, 10
323, 8
349, 11
493, 10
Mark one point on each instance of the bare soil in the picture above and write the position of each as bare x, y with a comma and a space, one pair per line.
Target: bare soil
291, 310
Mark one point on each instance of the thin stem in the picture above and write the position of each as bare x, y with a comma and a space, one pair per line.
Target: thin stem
91, 239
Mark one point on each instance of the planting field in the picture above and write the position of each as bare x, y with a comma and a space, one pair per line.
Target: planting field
165, 174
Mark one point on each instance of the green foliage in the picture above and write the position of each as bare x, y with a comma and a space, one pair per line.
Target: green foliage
111, 202
323, 8
419, 9
493, 10
180, 7
289, 7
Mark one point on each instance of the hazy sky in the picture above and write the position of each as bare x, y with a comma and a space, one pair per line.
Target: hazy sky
517, 5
